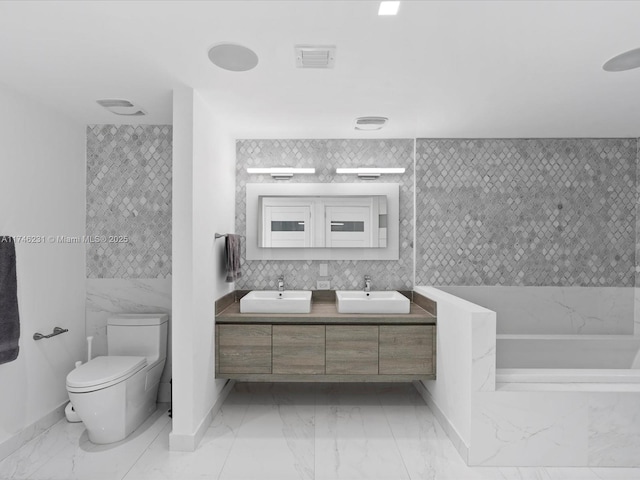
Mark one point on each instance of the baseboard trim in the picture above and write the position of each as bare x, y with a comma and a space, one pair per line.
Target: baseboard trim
189, 442
13, 443
450, 430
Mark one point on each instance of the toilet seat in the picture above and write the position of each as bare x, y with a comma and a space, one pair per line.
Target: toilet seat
103, 372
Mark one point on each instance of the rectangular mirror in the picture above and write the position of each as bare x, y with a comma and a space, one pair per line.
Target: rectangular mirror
322, 221
301, 221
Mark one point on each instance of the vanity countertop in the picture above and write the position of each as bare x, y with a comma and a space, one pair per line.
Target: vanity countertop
325, 312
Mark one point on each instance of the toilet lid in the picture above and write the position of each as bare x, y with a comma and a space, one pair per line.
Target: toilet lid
101, 370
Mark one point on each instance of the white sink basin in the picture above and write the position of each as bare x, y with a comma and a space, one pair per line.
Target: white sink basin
273, 301
357, 301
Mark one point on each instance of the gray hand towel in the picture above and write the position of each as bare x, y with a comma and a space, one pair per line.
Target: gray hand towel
232, 250
9, 318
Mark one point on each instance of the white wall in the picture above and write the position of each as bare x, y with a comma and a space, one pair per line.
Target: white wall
203, 203
42, 192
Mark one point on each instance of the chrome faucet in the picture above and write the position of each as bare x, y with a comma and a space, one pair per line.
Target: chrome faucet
367, 283
281, 284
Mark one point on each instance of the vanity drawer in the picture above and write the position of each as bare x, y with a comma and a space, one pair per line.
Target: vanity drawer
298, 349
244, 348
352, 349
407, 349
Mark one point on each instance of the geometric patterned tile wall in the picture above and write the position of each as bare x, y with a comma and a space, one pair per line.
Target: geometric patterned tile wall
325, 156
129, 194
553, 212
637, 213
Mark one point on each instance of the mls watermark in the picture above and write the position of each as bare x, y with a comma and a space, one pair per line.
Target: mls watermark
66, 239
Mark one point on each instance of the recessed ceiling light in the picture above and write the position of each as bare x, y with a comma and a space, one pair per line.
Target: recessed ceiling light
388, 8
625, 61
235, 58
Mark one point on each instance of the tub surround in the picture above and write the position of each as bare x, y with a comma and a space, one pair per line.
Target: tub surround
325, 345
584, 424
554, 310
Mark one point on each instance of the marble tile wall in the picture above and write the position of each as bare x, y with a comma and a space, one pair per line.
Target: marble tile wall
555, 310
550, 212
325, 156
129, 172
109, 296
129, 195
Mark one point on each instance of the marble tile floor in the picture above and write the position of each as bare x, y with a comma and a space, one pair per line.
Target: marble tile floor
282, 431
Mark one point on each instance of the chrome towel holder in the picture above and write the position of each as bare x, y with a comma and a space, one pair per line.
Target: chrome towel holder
224, 235
56, 331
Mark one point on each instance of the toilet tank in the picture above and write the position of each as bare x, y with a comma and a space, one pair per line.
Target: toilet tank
138, 335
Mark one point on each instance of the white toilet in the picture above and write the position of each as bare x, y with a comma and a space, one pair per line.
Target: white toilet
114, 395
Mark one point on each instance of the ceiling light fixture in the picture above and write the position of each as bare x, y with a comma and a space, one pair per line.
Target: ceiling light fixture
370, 123
370, 173
388, 8
232, 57
625, 61
120, 106
280, 173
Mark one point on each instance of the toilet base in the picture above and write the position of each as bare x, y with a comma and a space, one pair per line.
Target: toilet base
113, 413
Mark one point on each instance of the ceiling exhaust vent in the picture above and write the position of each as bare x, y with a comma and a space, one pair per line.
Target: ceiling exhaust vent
315, 56
121, 107
371, 123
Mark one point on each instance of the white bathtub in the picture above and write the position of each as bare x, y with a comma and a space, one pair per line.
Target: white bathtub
568, 362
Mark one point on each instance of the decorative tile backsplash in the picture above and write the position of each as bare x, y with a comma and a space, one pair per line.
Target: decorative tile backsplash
552, 212
325, 156
129, 201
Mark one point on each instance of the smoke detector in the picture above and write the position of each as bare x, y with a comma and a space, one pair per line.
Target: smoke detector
315, 56
121, 107
370, 123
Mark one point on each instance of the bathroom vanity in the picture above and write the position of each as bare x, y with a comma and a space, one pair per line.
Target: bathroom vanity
325, 345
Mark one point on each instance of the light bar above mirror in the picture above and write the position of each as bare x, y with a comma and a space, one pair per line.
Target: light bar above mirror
280, 173
369, 173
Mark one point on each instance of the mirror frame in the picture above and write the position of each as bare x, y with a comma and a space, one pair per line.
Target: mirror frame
390, 190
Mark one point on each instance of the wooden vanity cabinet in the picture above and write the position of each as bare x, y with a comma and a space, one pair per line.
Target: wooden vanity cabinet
243, 349
352, 349
407, 349
298, 349
330, 352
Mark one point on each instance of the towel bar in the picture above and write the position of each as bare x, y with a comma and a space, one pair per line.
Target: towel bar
56, 331
223, 235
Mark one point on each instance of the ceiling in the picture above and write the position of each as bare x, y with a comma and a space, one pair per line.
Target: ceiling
437, 69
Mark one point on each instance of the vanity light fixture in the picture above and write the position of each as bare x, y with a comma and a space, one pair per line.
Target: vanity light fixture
280, 173
388, 8
369, 173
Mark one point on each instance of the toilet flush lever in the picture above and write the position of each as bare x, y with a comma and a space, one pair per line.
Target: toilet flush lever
56, 331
